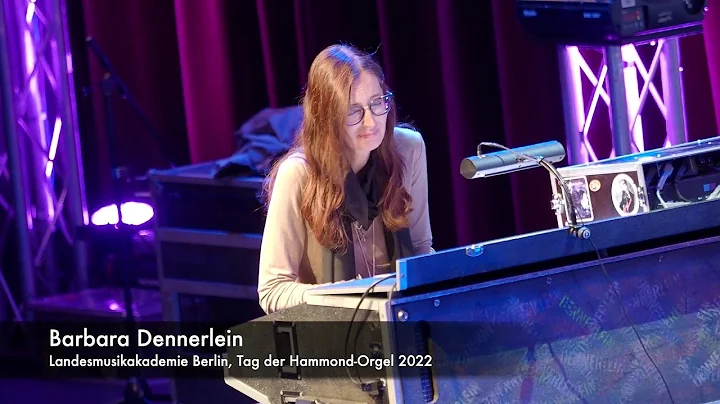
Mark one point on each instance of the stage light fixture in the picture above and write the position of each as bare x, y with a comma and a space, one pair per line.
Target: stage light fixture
133, 214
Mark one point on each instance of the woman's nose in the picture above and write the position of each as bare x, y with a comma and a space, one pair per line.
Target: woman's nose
368, 118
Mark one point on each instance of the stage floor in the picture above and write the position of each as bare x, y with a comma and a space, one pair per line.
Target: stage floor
69, 392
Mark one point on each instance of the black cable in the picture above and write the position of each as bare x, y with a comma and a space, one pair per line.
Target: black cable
617, 294
572, 216
620, 301
352, 320
632, 325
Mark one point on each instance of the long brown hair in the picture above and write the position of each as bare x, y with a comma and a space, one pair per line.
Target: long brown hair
325, 108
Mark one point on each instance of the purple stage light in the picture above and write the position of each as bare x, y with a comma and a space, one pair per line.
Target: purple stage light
133, 213
43, 162
636, 91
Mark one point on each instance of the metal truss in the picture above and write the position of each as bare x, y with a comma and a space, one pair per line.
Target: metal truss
41, 166
616, 82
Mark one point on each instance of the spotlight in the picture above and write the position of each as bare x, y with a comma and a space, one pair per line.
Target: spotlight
133, 214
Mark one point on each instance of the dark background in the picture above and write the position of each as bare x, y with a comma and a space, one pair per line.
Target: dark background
462, 71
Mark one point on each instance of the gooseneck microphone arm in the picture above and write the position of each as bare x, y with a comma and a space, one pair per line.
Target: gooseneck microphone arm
577, 230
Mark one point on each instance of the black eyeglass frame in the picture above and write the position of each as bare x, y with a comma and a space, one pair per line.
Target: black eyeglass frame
386, 101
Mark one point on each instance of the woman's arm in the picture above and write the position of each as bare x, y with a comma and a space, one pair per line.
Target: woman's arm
413, 147
283, 242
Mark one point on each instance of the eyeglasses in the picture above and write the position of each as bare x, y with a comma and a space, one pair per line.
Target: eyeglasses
378, 106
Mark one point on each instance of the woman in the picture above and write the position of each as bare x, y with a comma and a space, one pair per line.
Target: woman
351, 196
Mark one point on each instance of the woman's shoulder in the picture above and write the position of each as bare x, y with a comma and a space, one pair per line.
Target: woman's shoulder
293, 166
408, 138
409, 144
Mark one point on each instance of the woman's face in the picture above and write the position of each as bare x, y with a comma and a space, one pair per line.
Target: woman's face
367, 115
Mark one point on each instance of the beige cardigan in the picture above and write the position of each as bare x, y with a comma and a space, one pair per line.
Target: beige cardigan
291, 256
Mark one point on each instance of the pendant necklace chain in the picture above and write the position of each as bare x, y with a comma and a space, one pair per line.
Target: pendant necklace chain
362, 239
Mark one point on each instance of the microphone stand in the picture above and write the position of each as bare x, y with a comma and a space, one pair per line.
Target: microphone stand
137, 389
127, 96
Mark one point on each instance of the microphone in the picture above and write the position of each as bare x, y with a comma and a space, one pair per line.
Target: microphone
510, 160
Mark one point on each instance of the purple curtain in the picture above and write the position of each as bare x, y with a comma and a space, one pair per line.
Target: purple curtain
202, 42
463, 72
712, 48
